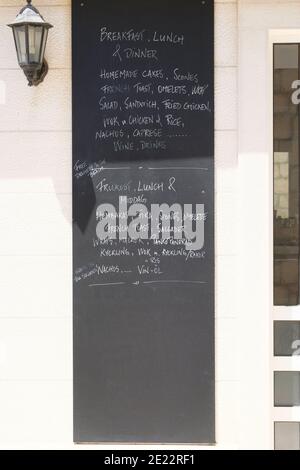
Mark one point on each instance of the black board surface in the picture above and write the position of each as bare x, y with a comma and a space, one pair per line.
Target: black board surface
143, 221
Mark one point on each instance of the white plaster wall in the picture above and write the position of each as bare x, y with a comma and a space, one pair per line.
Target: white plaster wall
35, 236
226, 198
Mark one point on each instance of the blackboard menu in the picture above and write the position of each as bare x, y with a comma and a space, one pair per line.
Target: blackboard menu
143, 221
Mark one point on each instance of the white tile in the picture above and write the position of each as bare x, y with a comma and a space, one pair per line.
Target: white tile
226, 413
226, 98
36, 162
255, 112
226, 149
226, 287
36, 286
269, 14
226, 223
226, 161
2, 92
35, 412
35, 224
36, 349
226, 34
226, 350
43, 108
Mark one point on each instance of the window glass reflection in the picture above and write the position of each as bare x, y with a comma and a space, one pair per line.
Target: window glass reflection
287, 388
287, 436
286, 175
287, 338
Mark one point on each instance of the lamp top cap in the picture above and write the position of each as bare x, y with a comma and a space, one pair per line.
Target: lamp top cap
30, 15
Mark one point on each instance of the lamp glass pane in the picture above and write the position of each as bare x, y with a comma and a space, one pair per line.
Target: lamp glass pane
20, 39
34, 43
44, 44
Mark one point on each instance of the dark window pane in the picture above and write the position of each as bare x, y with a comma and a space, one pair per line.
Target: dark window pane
287, 388
286, 175
19, 33
35, 43
287, 338
287, 436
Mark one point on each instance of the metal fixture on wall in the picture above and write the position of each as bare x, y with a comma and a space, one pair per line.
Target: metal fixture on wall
30, 34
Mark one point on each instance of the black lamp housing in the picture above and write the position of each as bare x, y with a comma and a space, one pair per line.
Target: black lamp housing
30, 34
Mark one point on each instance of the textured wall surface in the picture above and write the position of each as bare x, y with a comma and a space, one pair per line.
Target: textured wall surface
35, 234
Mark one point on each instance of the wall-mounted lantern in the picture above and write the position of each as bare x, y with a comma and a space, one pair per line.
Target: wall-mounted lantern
30, 34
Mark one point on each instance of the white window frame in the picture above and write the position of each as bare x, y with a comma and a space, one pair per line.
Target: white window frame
279, 414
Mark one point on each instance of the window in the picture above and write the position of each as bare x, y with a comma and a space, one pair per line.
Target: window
287, 388
287, 436
286, 258
287, 338
286, 174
